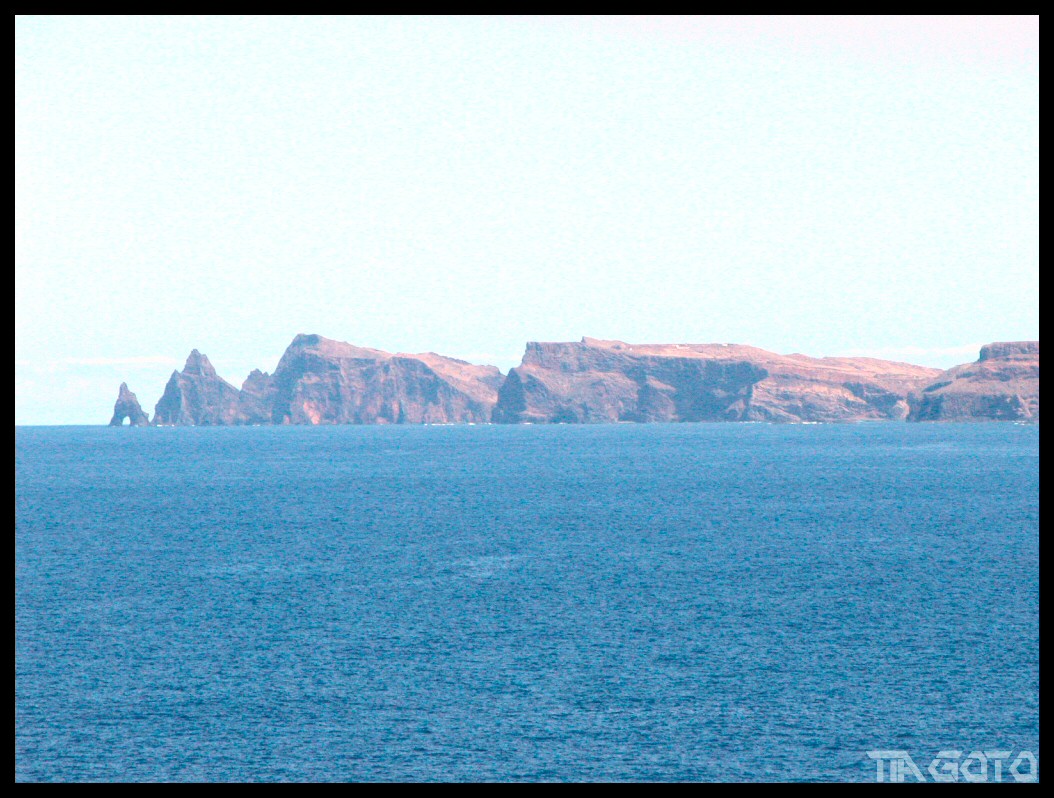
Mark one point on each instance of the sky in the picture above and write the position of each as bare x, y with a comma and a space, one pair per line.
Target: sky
841, 185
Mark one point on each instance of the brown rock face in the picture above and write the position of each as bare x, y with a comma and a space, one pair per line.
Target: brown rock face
1019, 351
254, 400
198, 396
596, 381
320, 381
127, 406
1002, 385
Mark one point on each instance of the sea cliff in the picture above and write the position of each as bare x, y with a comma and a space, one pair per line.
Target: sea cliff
322, 381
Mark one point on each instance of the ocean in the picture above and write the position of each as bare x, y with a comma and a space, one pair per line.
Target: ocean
668, 602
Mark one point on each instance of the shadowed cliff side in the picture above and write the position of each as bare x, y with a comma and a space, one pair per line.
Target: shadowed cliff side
254, 400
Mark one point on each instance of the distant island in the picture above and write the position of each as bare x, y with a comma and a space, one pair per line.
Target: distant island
322, 381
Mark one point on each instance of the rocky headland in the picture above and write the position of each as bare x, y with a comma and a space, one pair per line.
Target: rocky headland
1001, 385
592, 381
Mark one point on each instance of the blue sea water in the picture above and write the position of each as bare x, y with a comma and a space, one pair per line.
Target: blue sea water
653, 602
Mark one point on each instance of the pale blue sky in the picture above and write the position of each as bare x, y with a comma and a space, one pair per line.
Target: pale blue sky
827, 186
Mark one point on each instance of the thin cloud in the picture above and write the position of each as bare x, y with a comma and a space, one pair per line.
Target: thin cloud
145, 360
